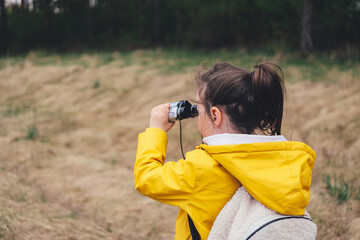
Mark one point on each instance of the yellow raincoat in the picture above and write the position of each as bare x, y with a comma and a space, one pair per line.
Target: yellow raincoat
277, 174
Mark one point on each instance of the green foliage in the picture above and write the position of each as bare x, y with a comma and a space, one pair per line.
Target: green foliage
108, 228
32, 133
43, 198
96, 84
105, 58
114, 161
12, 111
339, 190
176, 60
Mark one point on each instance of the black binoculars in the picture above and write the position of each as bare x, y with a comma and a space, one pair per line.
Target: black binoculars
182, 110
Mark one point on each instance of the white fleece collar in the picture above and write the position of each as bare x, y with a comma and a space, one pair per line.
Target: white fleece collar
227, 138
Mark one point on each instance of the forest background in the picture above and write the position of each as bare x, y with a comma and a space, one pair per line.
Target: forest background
64, 25
78, 79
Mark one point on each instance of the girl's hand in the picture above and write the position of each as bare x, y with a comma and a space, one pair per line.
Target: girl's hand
159, 117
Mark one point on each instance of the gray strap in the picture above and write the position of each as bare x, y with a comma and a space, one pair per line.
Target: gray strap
263, 222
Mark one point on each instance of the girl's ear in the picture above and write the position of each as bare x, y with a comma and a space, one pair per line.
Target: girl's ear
216, 116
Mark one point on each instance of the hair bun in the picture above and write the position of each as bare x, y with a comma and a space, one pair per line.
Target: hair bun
268, 88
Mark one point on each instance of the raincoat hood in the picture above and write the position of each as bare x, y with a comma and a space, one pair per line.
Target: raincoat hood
277, 174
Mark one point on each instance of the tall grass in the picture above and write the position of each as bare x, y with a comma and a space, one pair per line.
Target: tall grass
340, 190
32, 133
171, 61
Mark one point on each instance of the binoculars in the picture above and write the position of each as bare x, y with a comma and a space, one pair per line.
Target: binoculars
182, 110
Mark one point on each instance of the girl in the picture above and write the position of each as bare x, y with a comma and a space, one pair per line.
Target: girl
240, 115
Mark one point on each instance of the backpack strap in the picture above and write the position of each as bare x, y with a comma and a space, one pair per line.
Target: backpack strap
194, 233
265, 221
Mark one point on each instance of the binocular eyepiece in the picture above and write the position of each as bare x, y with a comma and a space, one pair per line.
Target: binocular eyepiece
181, 110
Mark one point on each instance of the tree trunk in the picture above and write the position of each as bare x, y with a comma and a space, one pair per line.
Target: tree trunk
24, 5
4, 26
112, 30
48, 23
67, 14
227, 38
142, 19
156, 23
306, 37
90, 22
179, 23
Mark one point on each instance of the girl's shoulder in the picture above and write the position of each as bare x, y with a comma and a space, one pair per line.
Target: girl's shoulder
200, 157
205, 163
210, 174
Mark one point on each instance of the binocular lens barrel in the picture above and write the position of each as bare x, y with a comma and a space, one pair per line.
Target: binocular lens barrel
182, 110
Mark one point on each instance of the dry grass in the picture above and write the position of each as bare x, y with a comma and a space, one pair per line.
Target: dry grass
68, 140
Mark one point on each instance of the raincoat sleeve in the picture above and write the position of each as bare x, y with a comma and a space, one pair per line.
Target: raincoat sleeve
170, 183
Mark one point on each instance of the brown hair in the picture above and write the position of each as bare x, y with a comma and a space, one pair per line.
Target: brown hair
252, 100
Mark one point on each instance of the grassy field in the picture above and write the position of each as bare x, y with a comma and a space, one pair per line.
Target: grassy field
69, 125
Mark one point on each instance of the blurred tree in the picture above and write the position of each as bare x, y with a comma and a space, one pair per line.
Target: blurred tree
123, 24
306, 36
179, 22
156, 22
142, 19
90, 22
24, 5
336, 23
112, 29
4, 33
48, 17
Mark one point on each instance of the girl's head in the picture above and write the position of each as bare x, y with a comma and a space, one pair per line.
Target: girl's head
248, 101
